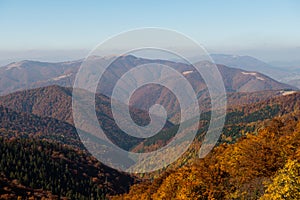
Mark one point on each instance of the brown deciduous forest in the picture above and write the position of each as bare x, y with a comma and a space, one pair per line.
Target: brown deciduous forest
262, 165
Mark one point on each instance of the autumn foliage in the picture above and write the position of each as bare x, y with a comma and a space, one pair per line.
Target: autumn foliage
260, 165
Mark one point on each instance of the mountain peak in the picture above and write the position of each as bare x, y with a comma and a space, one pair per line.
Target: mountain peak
20, 64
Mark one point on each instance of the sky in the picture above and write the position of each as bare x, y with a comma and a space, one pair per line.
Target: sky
57, 29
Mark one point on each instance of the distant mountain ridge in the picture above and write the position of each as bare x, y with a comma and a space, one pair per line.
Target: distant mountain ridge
33, 74
249, 63
286, 74
39, 74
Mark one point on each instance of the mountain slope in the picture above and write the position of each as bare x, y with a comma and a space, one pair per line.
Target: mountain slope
18, 124
34, 167
12, 189
58, 106
30, 74
56, 102
33, 74
42, 156
249, 63
240, 121
234, 171
237, 80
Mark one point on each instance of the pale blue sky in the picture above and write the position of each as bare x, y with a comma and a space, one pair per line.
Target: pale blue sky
267, 28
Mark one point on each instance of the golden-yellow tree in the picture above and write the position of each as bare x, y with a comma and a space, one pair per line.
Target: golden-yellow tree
286, 184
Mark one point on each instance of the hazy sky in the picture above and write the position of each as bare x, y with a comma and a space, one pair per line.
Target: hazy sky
267, 29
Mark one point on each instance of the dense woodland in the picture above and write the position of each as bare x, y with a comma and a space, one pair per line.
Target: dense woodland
43, 157
57, 168
257, 156
263, 165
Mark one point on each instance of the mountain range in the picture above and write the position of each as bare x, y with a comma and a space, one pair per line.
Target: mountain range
36, 125
43, 156
288, 74
33, 74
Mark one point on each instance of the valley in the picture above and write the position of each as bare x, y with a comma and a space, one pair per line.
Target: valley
38, 135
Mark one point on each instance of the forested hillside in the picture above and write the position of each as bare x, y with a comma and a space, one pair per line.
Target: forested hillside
259, 165
38, 141
41, 165
44, 157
